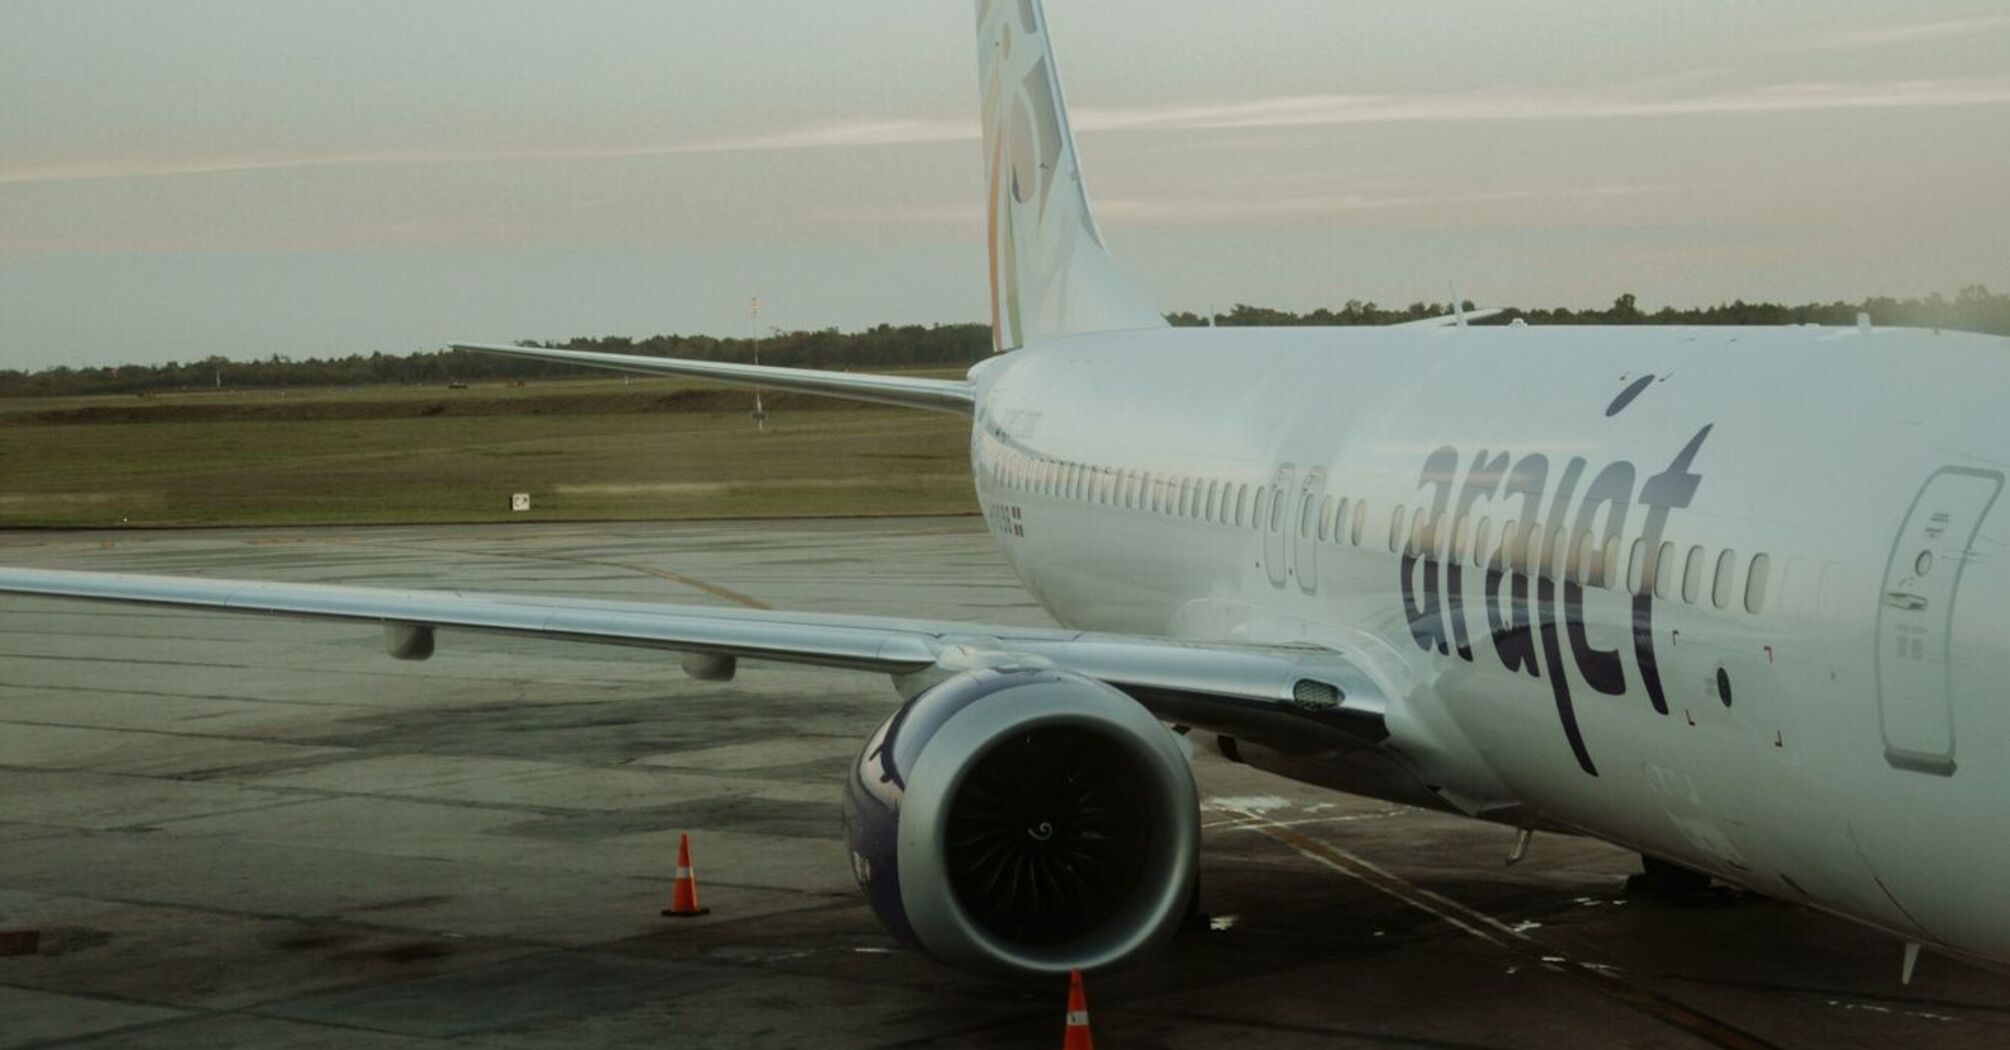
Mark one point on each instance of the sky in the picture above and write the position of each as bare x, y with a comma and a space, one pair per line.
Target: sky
297, 177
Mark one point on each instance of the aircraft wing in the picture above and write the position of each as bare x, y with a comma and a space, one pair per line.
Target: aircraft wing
1304, 698
941, 395
1450, 320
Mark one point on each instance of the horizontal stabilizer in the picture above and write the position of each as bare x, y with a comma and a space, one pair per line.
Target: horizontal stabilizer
940, 395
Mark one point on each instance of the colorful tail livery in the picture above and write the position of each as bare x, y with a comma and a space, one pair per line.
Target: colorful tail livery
1051, 274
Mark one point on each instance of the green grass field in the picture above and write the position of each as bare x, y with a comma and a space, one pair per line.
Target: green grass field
583, 450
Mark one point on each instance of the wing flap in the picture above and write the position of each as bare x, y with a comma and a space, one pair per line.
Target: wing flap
939, 395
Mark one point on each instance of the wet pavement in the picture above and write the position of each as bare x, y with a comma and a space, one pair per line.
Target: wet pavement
253, 832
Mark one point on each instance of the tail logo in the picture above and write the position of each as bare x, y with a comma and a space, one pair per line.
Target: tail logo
1050, 272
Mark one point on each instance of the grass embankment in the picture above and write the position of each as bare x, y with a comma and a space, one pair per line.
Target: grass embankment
582, 449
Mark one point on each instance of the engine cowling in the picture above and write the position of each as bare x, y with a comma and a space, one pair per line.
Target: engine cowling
1024, 821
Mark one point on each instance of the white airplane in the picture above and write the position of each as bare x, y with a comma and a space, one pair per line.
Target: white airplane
1732, 598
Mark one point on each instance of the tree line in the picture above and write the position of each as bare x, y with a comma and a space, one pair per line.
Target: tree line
1973, 309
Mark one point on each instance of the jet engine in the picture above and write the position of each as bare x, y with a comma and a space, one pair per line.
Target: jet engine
1024, 821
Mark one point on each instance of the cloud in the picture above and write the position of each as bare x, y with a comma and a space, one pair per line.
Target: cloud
830, 135
1884, 35
1231, 206
1645, 100
1521, 104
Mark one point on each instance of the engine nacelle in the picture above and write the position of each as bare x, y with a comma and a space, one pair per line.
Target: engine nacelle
1025, 821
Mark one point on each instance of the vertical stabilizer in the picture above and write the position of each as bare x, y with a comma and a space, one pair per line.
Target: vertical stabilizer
1050, 273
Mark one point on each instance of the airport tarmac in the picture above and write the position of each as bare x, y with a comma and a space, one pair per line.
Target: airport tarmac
262, 833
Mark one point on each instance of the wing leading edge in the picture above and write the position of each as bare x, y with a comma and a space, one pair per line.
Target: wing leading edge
940, 395
1308, 699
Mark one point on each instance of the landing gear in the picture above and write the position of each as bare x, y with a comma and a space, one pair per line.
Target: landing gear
1197, 919
1669, 883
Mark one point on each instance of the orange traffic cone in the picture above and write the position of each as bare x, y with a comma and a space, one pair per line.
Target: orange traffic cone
684, 897
1077, 1037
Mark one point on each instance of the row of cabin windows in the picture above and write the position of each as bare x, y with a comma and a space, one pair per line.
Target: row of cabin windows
1529, 550
1341, 519
1334, 518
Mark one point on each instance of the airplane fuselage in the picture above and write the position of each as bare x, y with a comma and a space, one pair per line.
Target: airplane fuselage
1676, 588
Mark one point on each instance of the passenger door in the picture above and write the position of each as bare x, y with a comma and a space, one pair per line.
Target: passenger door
1915, 618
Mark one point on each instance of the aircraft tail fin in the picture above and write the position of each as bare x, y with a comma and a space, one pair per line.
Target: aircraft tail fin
1050, 272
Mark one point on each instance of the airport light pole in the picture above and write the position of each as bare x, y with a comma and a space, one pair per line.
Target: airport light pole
754, 333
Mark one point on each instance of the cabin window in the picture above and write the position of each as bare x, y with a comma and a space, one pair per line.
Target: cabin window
1636, 568
1242, 504
1727, 571
1325, 518
1692, 576
1306, 509
1755, 583
1396, 530
1481, 536
1531, 550
1360, 520
1555, 553
1262, 504
1583, 566
1661, 572
1277, 510
1340, 522
1460, 533
1213, 500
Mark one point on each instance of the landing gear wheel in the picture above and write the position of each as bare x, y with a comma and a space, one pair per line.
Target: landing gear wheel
1197, 919
1669, 883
